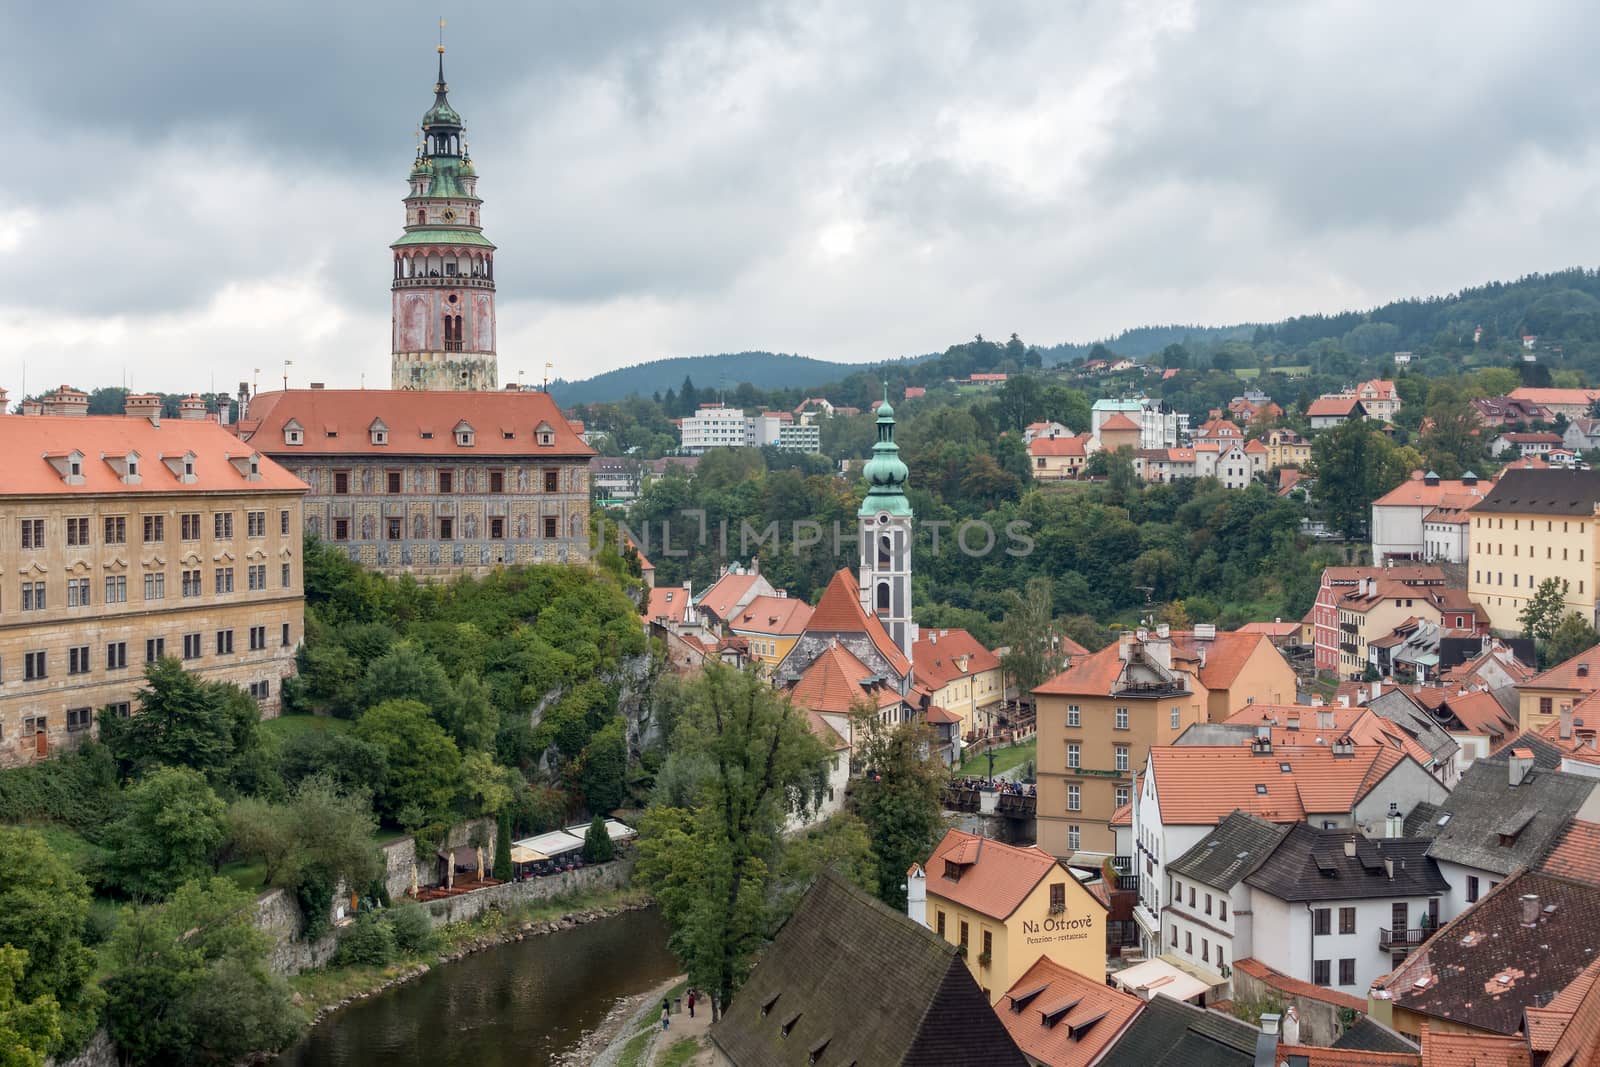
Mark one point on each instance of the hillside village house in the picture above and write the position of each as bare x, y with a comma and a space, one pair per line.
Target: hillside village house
770, 625
1326, 412
1118, 431
1207, 917
1497, 411
1544, 698
1099, 717
1525, 444
1336, 583
1061, 1018
1534, 525
129, 539
1008, 906
1185, 791
1054, 458
1402, 518
962, 676
1379, 399
1285, 448
1573, 403
1376, 607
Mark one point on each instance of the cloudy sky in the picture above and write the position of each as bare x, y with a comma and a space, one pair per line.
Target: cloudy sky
200, 191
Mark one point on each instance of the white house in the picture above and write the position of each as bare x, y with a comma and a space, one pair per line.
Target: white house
1187, 790
1208, 914
1424, 518
1338, 909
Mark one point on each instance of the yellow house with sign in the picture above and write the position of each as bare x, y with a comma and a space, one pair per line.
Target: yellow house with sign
1009, 906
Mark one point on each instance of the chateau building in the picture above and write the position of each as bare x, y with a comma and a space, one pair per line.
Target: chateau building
443, 288
436, 484
124, 540
1533, 526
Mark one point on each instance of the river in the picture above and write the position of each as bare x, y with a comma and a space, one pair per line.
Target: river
520, 1003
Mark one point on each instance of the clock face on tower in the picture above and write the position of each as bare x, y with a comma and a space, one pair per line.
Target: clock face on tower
448, 216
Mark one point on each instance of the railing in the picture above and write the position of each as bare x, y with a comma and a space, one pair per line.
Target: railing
1151, 689
1127, 883
435, 281
1349, 646
1018, 807
1390, 939
452, 346
962, 799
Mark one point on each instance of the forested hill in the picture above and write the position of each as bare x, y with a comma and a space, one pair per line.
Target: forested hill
1561, 308
764, 370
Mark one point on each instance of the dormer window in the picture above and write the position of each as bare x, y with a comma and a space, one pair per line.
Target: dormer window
75, 467
69, 465
126, 465
248, 466
379, 432
182, 467
188, 468
133, 468
293, 433
544, 434
464, 434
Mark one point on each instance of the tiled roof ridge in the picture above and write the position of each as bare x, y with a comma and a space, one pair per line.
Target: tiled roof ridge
1389, 981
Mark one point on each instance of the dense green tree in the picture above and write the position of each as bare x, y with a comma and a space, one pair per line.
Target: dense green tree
28, 1029
898, 798
44, 912
604, 767
170, 832
710, 867
422, 771
352, 764
1572, 635
1542, 614
212, 727
189, 981
502, 846
1346, 459
1027, 631
407, 672
597, 844
320, 829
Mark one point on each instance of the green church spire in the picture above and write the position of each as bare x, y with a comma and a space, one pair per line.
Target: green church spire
885, 472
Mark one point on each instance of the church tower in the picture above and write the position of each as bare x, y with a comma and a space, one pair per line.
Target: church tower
885, 524
443, 290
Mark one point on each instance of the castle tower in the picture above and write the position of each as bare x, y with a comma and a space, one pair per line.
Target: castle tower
885, 524
443, 290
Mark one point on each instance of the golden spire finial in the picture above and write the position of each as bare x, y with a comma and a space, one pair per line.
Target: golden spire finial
441, 35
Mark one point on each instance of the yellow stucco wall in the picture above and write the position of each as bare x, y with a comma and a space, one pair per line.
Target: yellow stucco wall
1075, 938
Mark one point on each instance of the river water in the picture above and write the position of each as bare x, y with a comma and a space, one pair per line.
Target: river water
520, 1003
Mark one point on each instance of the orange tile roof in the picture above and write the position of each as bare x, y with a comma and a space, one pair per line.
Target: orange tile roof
839, 611
1118, 421
785, 615
1576, 854
833, 683
1271, 629
1578, 1044
1417, 493
407, 414
1067, 1041
1199, 785
995, 878
1472, 1050
666, 601
1324, 406
1580, 673
725, 593
936, 714
1570, 397
26, 441
1361, 724
935, 653
1294, 986
1123, 816
1315, 1056
1226, 655
1091, 675
825, 731
1057, 446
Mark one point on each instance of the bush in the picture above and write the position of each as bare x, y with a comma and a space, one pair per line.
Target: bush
597, 844
413, 930
369, 940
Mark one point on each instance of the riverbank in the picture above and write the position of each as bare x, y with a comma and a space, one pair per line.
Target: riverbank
625, 1035
322, 992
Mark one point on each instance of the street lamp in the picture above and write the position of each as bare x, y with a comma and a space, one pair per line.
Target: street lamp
991, 768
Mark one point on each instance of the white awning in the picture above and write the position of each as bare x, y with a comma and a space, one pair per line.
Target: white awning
1145, 980
554, 843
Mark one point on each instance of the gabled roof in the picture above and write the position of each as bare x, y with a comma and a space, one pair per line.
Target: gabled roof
1581, 674
819, 994
1312, 864
1301, 724
1576, 854
1294, 987
1417, 493
1443, 1049
839, 611
666, 601
1170, 1033
1543, 491
1118, 421
993, 878
935, 654
1332, 406
836, 682
1271, 629
1567, 397
1225, 656
408, 413
785, 615
1569, 1026
1240, 844
1485, 966
1058, 446
1475, 817
1199, 785
722, 599
1061, 1018
220, 458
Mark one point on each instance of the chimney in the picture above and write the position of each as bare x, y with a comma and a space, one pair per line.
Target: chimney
755, 564
1267, 1041
1317, 702
1520, 764
143, 406
1388, 868
1205, 631
66, 401
1125, 645
1344, 748
224, 406
1261, 746
1291, 1026
1350, 848
191, 408
1530, 909
318, 385
1566, 720
244, 399
1344, 700
32, 407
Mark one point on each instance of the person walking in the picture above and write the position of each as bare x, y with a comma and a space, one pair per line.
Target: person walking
691, 1004
666, 1015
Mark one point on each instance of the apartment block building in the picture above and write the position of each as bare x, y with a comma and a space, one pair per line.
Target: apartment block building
432, 483
127, 539
1099, 718
1534, 525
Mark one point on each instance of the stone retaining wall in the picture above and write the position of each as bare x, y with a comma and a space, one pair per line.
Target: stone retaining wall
613, 875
